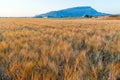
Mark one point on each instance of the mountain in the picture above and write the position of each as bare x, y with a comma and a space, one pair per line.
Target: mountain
73, 12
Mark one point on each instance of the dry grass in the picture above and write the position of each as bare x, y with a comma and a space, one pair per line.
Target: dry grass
110, 17
59, 49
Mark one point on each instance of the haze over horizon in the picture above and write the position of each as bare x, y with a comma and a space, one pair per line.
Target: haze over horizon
29, 8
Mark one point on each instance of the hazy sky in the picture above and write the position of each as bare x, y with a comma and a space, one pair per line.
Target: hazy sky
10, 8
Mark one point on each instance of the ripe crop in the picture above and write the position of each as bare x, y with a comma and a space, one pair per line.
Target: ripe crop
59, 49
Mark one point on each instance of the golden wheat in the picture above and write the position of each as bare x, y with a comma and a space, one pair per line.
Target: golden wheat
59, 49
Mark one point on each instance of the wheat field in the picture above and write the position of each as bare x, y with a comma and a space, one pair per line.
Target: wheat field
59, 49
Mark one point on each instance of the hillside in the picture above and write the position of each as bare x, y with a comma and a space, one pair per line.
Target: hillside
73, 12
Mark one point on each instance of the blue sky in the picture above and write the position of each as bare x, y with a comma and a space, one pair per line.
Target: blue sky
19, 8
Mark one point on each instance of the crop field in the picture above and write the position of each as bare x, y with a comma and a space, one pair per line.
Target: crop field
59, 49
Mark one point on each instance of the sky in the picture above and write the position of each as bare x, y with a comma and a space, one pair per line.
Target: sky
29, 8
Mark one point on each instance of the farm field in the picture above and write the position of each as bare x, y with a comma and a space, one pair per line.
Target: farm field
59, 49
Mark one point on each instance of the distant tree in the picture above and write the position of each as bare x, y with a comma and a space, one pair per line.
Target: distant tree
88, 16
38, 16
114, 15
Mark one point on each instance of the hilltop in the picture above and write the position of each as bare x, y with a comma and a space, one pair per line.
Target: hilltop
73, 12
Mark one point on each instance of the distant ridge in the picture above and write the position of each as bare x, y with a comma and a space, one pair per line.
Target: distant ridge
73, 12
